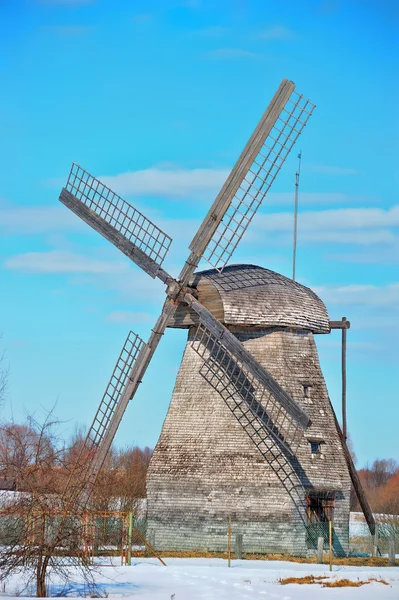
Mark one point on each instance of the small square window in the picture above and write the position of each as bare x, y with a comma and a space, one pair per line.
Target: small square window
315, 447
306, 391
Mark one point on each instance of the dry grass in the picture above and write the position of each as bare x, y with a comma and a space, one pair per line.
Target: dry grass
360, 561
301, 580
324, 582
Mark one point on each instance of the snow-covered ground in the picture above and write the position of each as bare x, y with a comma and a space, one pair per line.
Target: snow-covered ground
211, 579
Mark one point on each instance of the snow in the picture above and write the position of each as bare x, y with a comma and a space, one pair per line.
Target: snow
211, 579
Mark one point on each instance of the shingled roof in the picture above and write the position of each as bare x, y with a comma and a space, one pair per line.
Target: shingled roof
248, 295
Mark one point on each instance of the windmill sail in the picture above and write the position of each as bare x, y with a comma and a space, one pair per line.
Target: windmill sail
106, 410
117, 220
127, 375
216, 342
255, 408
252, 176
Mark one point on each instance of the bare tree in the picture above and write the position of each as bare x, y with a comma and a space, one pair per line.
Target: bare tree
43, 535
4, 371
381, 471
131, 465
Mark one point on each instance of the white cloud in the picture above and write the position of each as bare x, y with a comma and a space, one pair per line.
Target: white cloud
58, 261
37, 219
317, 199
194, 183
119, 276
168, 180
333, 219
231, 53
383, 255
378, 236
277, 33
330, 170
384, 296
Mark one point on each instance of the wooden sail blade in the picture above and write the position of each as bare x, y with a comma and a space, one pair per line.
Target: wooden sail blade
105, 412
211, 331
252, 176
126, 378
117, 220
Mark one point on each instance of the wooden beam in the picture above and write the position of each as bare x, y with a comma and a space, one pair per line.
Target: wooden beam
234, 346
234, 180
357, 484
344, 324
114, 236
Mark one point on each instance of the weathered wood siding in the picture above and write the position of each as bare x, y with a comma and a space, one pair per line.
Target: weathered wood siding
205, 467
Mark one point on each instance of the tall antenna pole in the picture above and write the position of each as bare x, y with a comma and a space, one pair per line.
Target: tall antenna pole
297, 175
343, 368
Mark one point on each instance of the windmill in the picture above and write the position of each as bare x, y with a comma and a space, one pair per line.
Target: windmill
271, 418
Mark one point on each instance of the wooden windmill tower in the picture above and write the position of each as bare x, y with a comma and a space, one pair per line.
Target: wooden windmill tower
250, 431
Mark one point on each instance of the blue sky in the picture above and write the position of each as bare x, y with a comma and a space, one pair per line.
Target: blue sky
158, 99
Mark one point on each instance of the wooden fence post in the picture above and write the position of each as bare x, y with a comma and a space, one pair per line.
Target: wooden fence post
238, 549
375, 541
392, 551
229, 540
129, 539
320, 544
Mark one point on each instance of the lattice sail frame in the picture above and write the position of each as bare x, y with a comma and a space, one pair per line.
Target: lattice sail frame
82, 476
244, 394
118, 213
258, 179
119, 378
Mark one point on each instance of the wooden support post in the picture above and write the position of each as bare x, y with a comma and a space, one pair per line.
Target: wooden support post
330, 542
375, 541
151, 536
392, 551
123, 543
320, 544
129, 539
228, 541
86, 536
368, 513
343, 364
344, 324
238, 548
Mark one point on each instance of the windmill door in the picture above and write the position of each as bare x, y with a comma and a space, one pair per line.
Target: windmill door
319, 510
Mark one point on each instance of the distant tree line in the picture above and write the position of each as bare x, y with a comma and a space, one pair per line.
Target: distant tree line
381, 485
31, 456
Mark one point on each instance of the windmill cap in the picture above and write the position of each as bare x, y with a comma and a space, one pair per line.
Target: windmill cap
251, 296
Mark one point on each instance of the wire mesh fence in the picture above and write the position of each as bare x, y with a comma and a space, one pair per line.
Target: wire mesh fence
114, 537
100, 535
